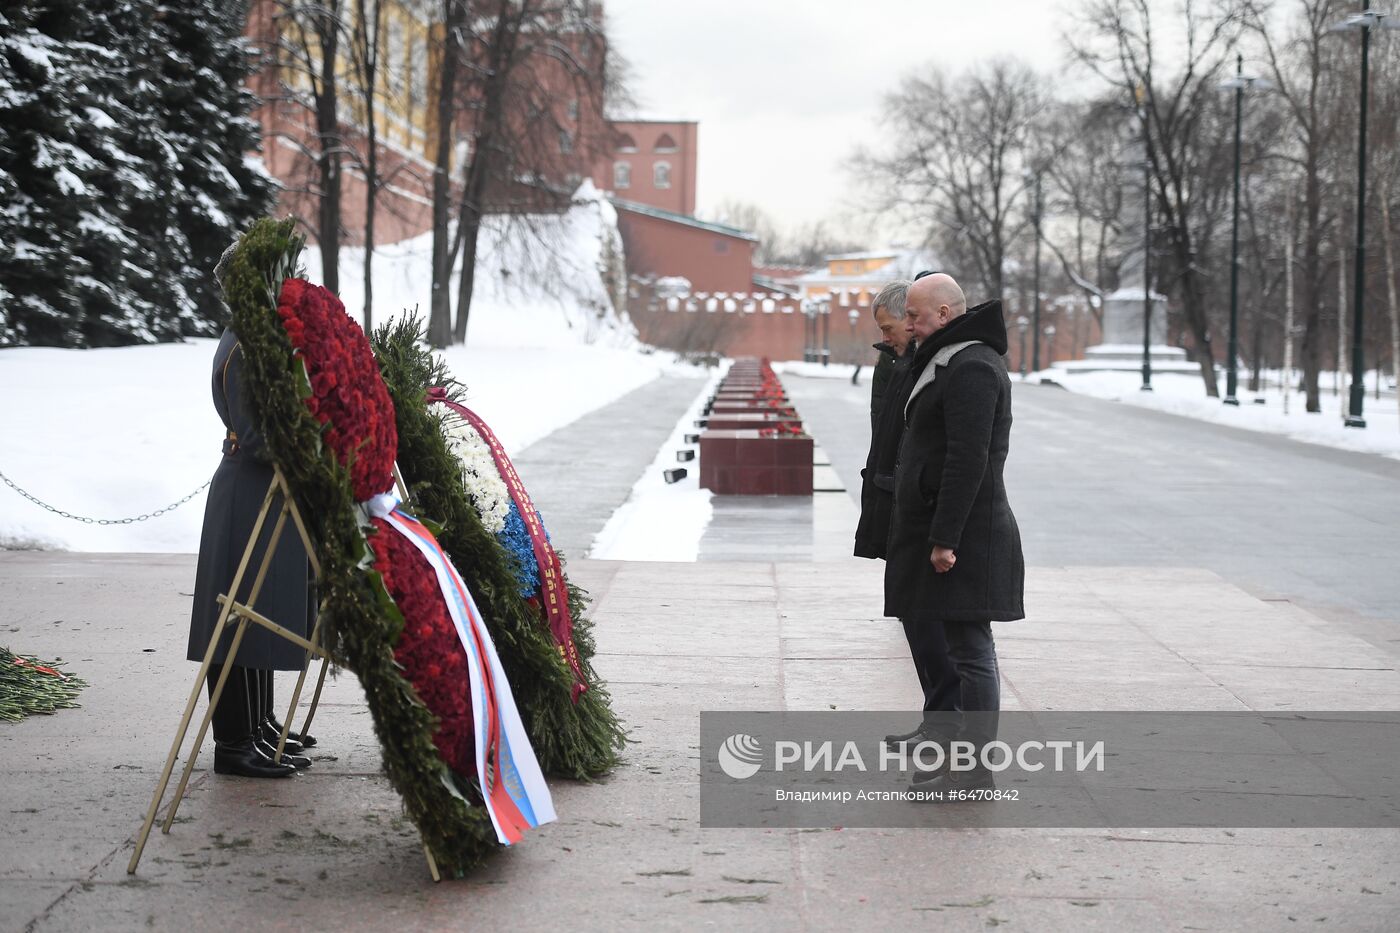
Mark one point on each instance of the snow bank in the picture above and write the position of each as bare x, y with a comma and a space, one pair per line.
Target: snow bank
1181, 394
660, 520
117, 432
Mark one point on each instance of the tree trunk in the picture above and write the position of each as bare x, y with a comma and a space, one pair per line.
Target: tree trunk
1193, 302
440, 307
1337, 378
1311, 287
1288, 385
490, 130
466, 283
369, 29
329, 156
371, 198
1389, 237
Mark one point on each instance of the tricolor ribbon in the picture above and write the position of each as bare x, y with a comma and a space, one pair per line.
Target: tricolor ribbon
553, 588
512, 784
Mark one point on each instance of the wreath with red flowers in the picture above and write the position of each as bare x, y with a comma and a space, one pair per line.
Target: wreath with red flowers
309, 370
350, 401
429, 650
347, 396
580, 739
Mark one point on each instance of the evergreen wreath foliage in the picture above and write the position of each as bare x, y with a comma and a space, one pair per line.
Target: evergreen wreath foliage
359, 622
579, 740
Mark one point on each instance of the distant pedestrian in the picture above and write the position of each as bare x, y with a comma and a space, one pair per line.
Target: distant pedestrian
954, 555
889, 391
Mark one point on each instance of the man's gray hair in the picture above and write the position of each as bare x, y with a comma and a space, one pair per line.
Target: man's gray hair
892, 298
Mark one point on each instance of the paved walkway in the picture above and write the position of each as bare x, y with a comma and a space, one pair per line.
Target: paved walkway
1096, 483
580, 474
1158, 580
331, 850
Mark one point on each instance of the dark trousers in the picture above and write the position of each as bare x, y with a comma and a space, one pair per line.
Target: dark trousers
939, 679
973, 654
245, 702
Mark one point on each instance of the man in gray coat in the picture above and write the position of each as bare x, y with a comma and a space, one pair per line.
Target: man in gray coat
245, 725
954, 557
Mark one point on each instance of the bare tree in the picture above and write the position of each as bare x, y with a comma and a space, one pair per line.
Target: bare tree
366, 47
1300, 69
1176, 105
535, 93
309, 47
954, 164
753, 219
1085, 197
449, 53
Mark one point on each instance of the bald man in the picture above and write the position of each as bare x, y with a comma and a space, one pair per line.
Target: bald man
954, 558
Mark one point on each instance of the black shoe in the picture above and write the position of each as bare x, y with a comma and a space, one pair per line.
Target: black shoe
269, 749
305, 741
953, 784
270, 734
916, 736
245, 760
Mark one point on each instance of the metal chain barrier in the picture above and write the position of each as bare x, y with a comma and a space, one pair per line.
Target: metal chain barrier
104, 521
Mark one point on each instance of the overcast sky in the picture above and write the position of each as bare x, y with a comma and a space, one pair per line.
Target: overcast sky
785, 89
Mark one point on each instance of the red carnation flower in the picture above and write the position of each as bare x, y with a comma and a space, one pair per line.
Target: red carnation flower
429, 649
347, 391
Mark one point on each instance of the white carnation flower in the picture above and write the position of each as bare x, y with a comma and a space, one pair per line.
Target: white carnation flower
480, 478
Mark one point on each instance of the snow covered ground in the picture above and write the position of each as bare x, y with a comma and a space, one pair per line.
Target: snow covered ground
660, 520
830, 371
119, 432
1185, 395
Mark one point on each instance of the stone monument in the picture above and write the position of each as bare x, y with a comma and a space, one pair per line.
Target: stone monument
1121, 349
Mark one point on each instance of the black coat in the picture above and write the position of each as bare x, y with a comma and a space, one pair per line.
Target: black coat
949, 489
880, 380
236, 494
877, 479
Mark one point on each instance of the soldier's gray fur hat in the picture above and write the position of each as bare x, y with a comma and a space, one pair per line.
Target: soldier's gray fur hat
221, 267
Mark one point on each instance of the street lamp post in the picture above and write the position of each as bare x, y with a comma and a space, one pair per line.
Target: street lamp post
1365, 22
1146, 271
1238, 84
1023, 322
1050, 343
808, 329
1036, 206
825, 309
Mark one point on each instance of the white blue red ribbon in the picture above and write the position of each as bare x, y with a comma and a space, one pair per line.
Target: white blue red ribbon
512, 784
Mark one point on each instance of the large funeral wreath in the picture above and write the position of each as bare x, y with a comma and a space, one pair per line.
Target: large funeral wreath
331, 429
573, 733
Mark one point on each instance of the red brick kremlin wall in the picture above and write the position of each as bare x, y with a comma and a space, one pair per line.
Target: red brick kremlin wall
772, 325
758, 324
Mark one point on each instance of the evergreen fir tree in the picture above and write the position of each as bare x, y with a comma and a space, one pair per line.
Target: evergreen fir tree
123, 170
61, 246
206, 106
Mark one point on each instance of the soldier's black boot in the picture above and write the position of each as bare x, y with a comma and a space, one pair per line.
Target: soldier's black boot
270, 734
245, 760
305, 741
269, 751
